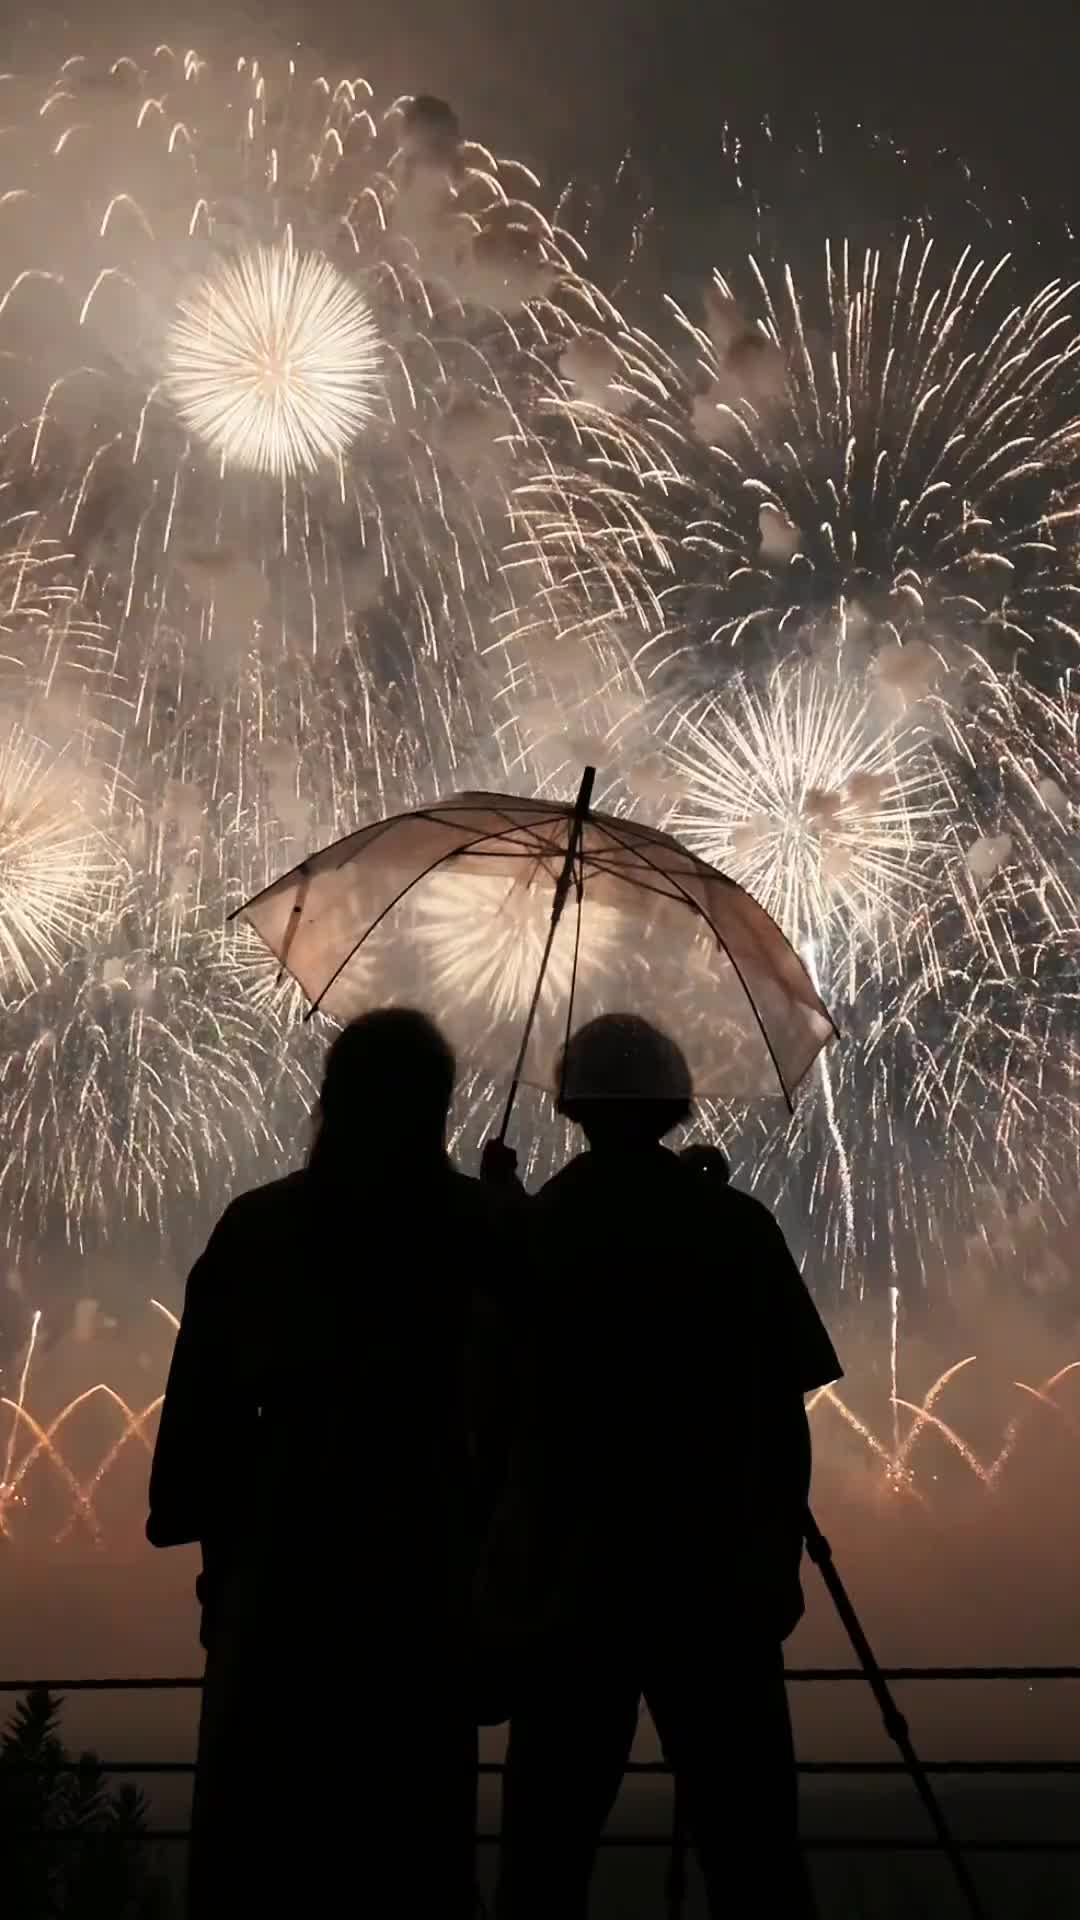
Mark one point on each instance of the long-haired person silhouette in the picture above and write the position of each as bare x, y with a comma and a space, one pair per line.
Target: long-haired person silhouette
324, 1437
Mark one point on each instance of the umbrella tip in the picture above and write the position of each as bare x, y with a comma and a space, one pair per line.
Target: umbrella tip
584, 799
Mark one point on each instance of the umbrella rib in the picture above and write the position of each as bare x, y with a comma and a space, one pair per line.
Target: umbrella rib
625, 878
378, 828
437, 816
450, 854
721, 942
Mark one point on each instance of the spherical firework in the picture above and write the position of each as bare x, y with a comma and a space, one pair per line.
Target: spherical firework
274, 361
484, 936
796, 789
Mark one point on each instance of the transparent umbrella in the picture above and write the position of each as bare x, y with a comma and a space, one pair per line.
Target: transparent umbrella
513, 922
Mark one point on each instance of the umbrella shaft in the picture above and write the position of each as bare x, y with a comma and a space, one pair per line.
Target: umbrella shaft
562, 888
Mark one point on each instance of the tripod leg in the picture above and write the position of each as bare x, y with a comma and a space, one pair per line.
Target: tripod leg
675, 1879
896, 1726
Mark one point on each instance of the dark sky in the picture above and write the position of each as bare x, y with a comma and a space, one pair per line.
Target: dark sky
562, 78
571, 82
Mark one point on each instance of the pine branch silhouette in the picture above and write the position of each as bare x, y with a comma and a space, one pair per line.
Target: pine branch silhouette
74, 1849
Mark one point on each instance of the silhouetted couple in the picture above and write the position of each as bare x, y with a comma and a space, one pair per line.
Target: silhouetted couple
444, 1446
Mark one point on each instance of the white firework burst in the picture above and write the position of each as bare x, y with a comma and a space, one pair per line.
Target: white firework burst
57, 869
484, 934
274, 361
797, 791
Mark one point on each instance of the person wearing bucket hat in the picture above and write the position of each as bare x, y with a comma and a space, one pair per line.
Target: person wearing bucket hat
672, 1341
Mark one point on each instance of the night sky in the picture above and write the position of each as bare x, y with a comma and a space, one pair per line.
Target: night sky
573, 85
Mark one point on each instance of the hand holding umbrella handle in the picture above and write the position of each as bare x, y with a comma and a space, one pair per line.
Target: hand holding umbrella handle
562, 888
499, 1166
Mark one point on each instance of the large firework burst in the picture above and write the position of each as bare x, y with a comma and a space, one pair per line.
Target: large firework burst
274, 361
797, 790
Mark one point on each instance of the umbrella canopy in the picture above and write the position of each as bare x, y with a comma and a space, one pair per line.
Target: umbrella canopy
449, 908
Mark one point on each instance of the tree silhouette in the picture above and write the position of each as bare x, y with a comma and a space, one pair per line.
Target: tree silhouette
72, 1847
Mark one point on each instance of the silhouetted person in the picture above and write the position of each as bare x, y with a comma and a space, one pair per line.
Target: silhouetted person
319, 1439
666, 1482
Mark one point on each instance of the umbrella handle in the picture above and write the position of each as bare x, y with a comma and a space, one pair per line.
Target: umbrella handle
562, 888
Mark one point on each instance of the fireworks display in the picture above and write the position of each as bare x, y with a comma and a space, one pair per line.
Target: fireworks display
834, 525
904, 1455
269, 361
329, 480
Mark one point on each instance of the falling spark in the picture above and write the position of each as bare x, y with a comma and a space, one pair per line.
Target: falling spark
897, 1462
20, 1400
58, 871
894, 1330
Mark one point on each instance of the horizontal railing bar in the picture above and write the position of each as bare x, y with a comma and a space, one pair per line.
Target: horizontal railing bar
919, 1843
1006, 1768
936, 1673
812, 1843
660, 1768
154, 1683
151, 1685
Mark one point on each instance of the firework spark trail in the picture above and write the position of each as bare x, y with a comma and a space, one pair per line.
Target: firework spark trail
925, 1411
967, 1455
58, 871
847, 1187
846, 1184
486, 936
134, 1428
896, 1460
1042, 1395
18, 1404
43, 1446
894, 1343
42, 1439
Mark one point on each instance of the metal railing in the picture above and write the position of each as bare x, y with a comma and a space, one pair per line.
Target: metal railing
820, 1843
